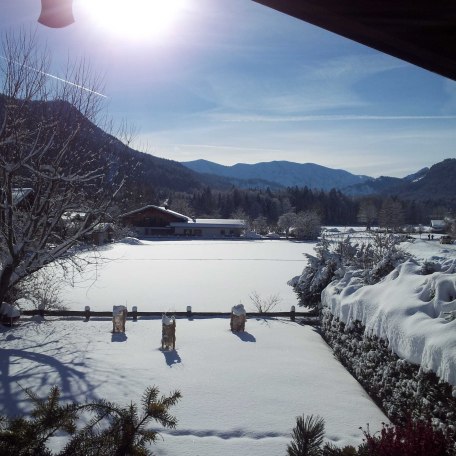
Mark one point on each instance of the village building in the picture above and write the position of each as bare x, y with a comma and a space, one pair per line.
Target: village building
151, 221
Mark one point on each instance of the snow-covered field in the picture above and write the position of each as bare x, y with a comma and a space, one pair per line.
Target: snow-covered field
207, 275
241, 393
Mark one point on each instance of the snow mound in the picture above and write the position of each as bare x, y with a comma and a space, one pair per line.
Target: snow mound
167, 321
238, 310
407, 309
130, 241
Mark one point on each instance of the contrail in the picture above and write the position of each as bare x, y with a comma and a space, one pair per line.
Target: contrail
73, 84
53, 76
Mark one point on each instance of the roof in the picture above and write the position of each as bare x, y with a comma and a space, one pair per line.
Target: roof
417, 31
161, 209
211, 223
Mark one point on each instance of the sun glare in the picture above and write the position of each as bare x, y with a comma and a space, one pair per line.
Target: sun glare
134, 19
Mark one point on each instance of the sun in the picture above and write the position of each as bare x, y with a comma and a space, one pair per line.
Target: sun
134, 19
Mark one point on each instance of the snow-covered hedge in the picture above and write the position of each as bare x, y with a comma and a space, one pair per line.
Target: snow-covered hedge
398, 338
391, 320
407, 309
397, 386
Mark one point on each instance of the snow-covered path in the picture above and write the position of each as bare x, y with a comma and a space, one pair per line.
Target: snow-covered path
241, 393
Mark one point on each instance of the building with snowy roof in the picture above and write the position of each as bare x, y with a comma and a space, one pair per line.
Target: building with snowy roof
150, 221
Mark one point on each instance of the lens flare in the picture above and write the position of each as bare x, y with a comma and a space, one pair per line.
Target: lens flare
134, 19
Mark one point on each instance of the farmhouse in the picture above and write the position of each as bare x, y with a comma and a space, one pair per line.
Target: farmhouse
161, 221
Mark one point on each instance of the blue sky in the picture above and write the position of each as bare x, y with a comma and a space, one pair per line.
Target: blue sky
233, 81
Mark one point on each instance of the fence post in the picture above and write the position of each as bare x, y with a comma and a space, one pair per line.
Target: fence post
189, 312
87, 313
238, 317
134, 311
293, 313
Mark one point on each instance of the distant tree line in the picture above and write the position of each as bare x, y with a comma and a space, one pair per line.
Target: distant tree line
264, 209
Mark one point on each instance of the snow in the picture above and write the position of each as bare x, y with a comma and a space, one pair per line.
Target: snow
241, 392
238, 310
9, 311
118, 310
406, 308
167, 321
167, 276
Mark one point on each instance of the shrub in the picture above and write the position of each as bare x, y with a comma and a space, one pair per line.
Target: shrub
414, 438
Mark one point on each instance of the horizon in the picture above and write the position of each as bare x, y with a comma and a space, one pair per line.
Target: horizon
312, 163
237, 82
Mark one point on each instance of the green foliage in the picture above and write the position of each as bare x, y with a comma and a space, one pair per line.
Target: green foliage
23, 436
112, 430
412, 438
307, 436
332, 450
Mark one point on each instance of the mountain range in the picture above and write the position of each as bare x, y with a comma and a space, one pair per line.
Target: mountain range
436, 183
278, 174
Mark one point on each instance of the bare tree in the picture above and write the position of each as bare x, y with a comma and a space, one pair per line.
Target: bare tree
308, 225
55, 186
391, 215
260, 224
367, 213
264, 305
42, 291
287, 221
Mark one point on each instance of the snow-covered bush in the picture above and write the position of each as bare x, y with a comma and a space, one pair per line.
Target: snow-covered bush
374, 260
318, 273
429, 267
307, 225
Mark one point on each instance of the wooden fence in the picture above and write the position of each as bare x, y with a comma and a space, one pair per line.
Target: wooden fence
304, 317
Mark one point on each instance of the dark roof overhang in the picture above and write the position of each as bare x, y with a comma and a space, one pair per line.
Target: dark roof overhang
417, 31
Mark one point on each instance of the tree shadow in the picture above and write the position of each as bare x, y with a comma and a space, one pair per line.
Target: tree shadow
245, 336
171, 357
119, 337
25, 367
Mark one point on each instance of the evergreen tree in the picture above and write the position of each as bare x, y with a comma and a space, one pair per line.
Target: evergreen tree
113, 430
307, 436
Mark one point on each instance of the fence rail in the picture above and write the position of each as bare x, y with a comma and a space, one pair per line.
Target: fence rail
310, 316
